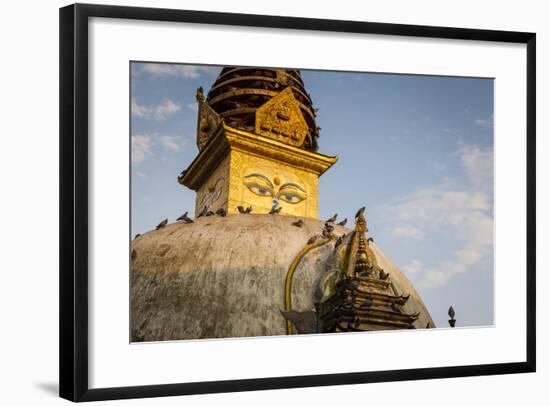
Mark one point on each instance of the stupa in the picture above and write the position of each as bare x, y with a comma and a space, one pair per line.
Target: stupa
256, 260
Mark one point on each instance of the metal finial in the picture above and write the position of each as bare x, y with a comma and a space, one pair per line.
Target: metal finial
451, 314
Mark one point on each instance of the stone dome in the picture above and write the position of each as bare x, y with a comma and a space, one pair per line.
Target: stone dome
238, 92
225, 277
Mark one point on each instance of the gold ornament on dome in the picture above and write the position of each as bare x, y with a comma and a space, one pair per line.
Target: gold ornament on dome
281, 119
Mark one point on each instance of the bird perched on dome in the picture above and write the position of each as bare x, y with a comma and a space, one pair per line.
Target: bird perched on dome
184, 218
343, 222
332, 219
276, 209
244, 210
162, 224
383, 275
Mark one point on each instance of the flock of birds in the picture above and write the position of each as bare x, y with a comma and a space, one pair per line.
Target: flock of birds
276, 209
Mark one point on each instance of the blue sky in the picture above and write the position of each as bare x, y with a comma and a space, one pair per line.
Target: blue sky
417, 151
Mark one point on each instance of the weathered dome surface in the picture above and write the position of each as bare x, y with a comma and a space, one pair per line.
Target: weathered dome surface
238, 92
225, 276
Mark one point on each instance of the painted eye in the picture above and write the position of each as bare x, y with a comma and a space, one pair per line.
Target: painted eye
291, 197
258, 189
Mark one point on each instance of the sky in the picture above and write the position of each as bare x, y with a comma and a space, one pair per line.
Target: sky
417, 151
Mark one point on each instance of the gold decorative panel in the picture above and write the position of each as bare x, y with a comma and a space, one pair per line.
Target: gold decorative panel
240, 168
264, 184
281, 118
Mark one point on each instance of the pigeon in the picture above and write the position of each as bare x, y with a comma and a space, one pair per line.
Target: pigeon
184, 218
360, 212
298, 223
370, 239
343, 222
395, 307
221, 212
137, 236
332, 219
209, 213
276, 209
383, 275
352, 284
162, 224
203, 212
339, 241
367, 303
312, 239
242, 210
327, 231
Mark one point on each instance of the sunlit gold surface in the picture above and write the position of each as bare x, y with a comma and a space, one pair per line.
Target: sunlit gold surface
221, 174
280, 118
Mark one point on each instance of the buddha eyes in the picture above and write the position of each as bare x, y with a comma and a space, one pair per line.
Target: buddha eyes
259, 189
290, 197
262, 186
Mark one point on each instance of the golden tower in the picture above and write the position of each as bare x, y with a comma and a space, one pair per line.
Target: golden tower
257, 141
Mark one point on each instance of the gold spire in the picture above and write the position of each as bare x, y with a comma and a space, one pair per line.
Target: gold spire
362, 257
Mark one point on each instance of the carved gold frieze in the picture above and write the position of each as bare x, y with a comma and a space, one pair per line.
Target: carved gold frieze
281, 118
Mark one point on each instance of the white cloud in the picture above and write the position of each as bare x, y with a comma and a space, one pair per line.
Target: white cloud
478, 163
182, 71
484, 123
159, 112
407, 232
464, 213
170, 141
143, 145
413, 268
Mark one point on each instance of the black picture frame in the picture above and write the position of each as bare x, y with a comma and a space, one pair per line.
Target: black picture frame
73, 254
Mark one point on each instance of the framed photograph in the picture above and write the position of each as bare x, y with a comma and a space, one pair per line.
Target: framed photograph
257, 202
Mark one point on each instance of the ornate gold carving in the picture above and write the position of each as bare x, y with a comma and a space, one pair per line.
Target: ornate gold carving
281, 118
364, 297
208, 122
282, 77
363, 261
